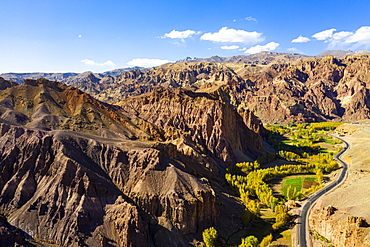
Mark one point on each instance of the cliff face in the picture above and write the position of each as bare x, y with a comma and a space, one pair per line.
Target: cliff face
207, 122
76, 171
340, 229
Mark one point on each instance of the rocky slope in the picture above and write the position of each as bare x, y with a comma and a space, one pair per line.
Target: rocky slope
313, 90
181, 75
339, 228
202, 120
146, 172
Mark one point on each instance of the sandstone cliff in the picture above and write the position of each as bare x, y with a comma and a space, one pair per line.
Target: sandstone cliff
339, 228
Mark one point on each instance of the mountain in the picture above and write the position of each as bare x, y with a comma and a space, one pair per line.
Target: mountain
148, 171
341, 54
61, 77
179, 75
261, 58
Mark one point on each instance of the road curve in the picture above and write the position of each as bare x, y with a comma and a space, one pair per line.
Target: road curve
303, 226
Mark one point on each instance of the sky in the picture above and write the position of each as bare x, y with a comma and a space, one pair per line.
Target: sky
95, 35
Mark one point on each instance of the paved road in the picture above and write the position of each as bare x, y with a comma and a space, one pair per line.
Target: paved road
303, 226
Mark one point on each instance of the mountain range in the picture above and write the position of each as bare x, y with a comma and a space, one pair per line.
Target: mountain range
262, 58
288, 88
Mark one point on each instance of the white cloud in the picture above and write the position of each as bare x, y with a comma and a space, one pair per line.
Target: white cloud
324, 35
345, 39
361, 36
300, 39
231, 35
250, 18
229, 47
258, 48
341, 35
147, 62
92, 62
180, 34
294, 49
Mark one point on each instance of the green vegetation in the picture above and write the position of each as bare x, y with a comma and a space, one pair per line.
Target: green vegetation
250, 241
266, 241
293, 188
308, 150
210, 236
318, 236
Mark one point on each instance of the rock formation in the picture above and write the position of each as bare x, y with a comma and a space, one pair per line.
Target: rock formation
313, 90
339, 229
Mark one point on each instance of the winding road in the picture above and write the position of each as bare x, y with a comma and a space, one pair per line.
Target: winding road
303, 238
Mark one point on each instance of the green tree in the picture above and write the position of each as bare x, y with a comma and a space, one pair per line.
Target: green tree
250, 241
210, 236
266, 241
319, 176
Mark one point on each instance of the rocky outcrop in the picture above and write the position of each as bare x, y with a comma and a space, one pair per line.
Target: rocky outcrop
4, 84
137, 82
205, 121
340, 229
313, 90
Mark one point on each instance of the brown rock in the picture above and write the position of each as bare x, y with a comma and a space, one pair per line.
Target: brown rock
338, 229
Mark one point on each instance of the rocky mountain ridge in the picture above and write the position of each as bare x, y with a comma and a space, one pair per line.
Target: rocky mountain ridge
63, 77
261, 58
326, 89
257, 60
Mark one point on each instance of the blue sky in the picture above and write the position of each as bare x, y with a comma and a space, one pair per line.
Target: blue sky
81, 35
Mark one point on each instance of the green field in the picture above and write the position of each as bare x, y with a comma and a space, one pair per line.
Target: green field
297, 184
